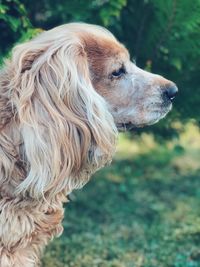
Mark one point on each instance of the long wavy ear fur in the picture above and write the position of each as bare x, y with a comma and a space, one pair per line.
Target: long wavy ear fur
67, 130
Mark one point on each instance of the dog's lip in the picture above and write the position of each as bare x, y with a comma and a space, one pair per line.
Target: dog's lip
129, 126
125, 126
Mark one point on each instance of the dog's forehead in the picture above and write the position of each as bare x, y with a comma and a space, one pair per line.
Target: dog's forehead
97, 46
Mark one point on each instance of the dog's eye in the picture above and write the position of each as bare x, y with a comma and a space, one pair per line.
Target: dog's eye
119, 72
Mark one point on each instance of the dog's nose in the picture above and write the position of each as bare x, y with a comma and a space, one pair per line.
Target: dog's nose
171, 91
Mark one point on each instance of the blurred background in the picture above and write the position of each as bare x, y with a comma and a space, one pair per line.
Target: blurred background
143, 210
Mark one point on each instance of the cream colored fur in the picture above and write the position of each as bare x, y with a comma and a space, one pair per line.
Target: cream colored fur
55, 131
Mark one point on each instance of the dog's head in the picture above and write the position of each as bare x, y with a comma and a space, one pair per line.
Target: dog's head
68, 89
135, 97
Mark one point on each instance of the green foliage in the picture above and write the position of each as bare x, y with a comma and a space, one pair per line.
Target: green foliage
14, 23
176, 49
49, 13
176, 22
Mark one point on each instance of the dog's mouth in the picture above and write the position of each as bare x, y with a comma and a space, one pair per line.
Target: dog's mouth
123, 127
154, 117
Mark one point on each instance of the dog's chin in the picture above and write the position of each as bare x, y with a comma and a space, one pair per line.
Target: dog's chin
152, 118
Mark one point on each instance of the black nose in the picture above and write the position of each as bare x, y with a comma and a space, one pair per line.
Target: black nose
170, 91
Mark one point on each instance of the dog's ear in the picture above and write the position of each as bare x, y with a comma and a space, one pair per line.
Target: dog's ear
66, 127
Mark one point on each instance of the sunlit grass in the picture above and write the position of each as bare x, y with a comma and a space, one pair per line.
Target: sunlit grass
187, 148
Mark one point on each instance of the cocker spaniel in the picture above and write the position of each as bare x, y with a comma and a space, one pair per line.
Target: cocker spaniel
64, 96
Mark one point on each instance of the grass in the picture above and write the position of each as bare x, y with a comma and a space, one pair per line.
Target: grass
142, 211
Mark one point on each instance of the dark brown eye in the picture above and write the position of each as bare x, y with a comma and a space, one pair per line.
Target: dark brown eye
119, 72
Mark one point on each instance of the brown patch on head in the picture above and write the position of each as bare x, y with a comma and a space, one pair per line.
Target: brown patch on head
104, 55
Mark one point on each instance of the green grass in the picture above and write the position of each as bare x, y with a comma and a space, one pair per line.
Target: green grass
142, 211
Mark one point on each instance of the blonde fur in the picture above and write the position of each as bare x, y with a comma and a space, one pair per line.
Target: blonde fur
56, 131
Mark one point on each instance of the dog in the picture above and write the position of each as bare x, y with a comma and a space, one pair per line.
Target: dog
64, 95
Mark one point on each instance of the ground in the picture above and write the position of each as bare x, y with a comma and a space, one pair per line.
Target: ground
142, 211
